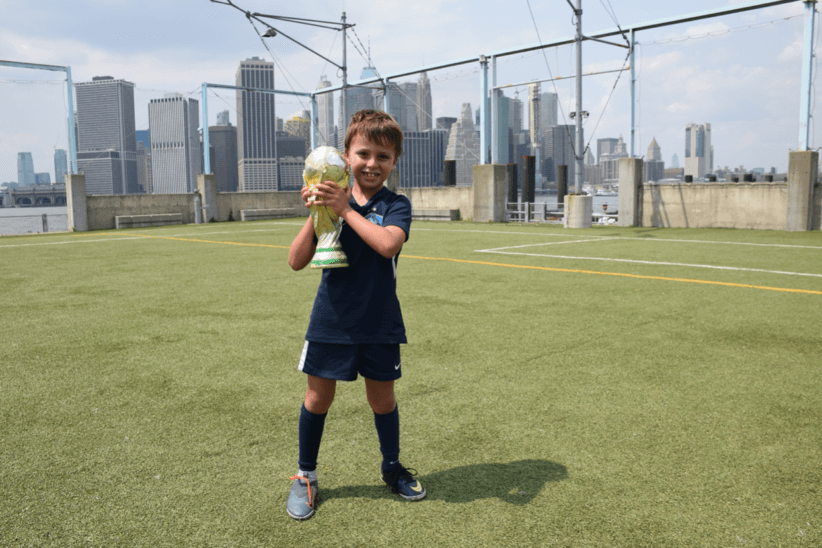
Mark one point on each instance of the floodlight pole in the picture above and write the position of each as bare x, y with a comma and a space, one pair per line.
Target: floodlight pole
807, 80
580, 153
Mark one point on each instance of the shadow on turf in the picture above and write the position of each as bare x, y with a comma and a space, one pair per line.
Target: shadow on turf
514, 482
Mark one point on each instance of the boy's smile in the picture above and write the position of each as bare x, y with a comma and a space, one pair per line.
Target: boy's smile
371, 164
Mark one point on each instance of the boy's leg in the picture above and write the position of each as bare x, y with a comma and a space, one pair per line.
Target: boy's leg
302, 500
387, 420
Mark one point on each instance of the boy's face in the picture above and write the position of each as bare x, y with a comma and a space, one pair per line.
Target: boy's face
370, 162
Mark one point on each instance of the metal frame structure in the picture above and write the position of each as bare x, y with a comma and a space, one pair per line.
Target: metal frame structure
488, 131
70, 93
204, 97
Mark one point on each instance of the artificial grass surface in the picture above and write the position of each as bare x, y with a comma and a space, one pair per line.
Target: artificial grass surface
150, 394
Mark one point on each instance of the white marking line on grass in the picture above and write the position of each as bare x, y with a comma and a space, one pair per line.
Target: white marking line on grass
648, 262
594, 238
75, 241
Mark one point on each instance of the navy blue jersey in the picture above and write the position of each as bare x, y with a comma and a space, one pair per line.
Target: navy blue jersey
358, 304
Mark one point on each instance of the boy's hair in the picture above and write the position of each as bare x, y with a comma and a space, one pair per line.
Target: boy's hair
377, 126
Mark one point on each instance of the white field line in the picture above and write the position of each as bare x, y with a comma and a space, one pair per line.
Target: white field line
635, 261
129, 236
594, 238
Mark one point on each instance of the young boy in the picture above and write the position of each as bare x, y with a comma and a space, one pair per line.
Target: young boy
356, 325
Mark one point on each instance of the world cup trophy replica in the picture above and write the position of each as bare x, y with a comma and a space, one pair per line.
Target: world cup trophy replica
326, 164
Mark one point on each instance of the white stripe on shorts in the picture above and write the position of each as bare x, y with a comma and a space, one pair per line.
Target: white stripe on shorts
302, 357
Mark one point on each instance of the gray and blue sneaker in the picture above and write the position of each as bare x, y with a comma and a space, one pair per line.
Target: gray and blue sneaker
403, 483
302, 499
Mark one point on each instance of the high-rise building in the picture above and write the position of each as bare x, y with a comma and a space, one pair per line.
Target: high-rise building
698, 150
548, 104
143, 168
222, 118
60, 166
408, 100
515, 115
291, 172
300, 127
653, 168
605, 146
256, 127
25, 169
534, 117
224, 140
609, 161
559, 146
674, 161
464, 147
106, 140
421, 162
424, 103
358, 99
325, 115
175, 144
42, 178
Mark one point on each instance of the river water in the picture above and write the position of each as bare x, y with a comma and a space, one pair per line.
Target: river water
29, 220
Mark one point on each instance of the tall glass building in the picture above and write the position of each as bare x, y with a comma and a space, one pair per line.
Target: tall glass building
25, 169
256, 126
106, 143
60, 166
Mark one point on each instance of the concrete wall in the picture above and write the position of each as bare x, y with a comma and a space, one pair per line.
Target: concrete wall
816, 219
442, 197
715, 205
233, 202
103, 209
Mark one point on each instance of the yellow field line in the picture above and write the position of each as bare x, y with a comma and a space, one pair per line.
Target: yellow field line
639, 276
528, 267
211, 241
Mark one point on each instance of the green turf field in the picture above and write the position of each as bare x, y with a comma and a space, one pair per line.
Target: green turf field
588, 388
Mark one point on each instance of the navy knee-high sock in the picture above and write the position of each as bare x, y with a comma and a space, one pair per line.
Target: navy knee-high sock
388, 431
311, 434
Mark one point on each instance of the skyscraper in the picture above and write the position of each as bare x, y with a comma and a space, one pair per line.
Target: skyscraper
605, 146
534, 117
325, 115
408, 100
175, 144
504, 136
421, 162
559, 145
515, 115
548, 104
25, 169
106, 141
300, 126
256, 127
653, 168
698, 150
464, 146
424, 108
60, 166
356, 100
224, 140
222, 118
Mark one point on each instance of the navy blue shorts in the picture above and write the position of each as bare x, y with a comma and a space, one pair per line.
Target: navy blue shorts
342, 362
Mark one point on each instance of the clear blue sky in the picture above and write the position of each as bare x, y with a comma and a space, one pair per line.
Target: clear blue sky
740, 73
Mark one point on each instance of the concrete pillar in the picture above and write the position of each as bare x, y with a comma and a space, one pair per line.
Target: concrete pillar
76, 202
579, 211
803, 168
489, 193
529, 174
562, 184
630, 192
207, 186
511, 182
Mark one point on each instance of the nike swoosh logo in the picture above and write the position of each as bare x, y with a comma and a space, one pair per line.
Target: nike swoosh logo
416, 487
396, 367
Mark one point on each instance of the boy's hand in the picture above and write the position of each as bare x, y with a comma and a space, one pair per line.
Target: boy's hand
329, 194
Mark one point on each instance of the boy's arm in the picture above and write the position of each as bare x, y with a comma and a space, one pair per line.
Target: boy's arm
385, 240
303, 247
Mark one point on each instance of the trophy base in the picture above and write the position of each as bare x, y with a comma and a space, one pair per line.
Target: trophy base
329, 258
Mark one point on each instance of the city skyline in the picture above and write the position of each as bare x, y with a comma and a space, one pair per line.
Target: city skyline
158, 62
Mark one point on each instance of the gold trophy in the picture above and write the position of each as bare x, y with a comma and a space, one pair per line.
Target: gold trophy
326, 164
